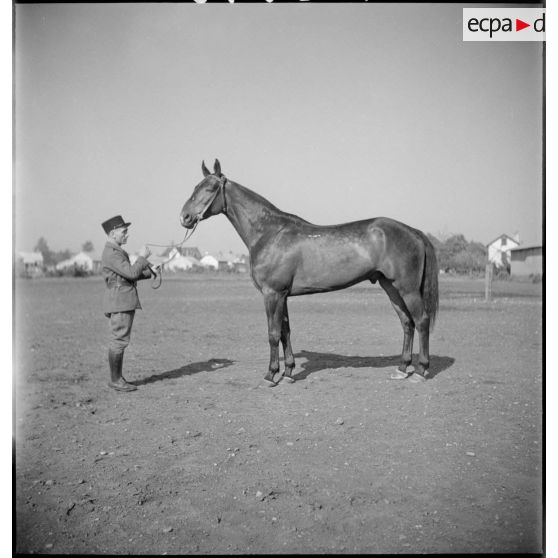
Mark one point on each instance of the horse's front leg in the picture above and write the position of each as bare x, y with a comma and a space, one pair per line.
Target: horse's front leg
286, 342
274, 307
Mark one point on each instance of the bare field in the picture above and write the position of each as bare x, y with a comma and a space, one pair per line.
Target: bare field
203, 460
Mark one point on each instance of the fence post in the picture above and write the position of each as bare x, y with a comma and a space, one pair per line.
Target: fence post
488, 282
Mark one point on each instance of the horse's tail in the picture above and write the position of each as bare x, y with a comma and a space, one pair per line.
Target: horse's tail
429, 287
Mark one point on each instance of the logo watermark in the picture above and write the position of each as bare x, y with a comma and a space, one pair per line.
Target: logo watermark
504, 24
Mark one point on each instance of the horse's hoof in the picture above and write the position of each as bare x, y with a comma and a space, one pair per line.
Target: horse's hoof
276, 378
268, 383
416, 378
398, 375
289, 379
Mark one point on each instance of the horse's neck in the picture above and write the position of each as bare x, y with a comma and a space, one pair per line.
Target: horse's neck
250, 214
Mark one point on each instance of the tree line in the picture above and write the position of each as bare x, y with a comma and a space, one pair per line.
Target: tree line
458, 255
51, 258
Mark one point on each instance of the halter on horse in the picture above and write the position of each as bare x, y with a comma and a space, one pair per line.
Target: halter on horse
290, 257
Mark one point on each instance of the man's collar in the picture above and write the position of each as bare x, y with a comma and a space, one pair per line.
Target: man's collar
111, 242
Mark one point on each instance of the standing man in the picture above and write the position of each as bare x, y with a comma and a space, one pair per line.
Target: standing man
121, 296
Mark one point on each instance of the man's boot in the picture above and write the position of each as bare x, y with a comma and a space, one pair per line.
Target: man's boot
117, 382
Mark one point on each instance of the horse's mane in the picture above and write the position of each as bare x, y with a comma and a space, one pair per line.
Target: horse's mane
272, 209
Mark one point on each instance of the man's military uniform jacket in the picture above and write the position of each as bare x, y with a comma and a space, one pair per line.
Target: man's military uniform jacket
121, 276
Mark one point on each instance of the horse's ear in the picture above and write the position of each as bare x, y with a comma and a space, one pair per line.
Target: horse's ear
205, 170
217, 168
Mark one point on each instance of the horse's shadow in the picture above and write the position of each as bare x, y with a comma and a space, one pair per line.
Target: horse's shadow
315, 362
194, 368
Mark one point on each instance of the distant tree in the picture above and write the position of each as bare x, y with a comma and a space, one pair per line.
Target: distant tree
479, 251
48, 254
455, 244
61, 256
467, 261
87, 246
449, 249
458, 255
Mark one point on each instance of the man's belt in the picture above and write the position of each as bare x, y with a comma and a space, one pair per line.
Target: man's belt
120, 282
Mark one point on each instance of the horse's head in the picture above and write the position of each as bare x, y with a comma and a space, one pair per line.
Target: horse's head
205, 201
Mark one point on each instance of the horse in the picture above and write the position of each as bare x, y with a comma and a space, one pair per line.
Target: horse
291, 257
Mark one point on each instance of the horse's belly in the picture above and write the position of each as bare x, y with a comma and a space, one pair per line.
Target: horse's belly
327, 270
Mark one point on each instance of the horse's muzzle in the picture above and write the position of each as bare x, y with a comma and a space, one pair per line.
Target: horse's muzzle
187, 221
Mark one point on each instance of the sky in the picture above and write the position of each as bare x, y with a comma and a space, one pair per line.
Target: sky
333, 112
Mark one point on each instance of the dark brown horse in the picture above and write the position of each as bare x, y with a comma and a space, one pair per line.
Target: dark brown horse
290, 256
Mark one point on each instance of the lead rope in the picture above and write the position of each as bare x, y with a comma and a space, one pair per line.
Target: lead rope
158, 277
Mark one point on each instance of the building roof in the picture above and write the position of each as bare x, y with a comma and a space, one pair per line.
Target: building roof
182, 250
503, 236
533, 246
30, 257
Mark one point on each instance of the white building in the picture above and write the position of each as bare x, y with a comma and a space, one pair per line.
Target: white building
81, 260
175, 261
527, 261
209, 262
181, 263
499, 250
29, 263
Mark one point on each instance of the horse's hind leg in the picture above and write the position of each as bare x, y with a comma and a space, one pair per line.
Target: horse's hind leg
406, 322
274, 306
286, 341
415, 305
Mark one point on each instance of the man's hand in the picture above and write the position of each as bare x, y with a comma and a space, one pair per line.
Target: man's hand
144, 252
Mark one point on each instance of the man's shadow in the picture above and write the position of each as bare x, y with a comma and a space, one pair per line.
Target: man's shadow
194, 368
315, 362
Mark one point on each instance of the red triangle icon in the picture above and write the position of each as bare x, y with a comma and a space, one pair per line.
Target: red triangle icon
519, 25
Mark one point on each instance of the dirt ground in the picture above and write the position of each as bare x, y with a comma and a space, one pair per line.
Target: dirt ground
203, 459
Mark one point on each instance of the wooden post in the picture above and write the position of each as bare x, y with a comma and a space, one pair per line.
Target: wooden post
488, 282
